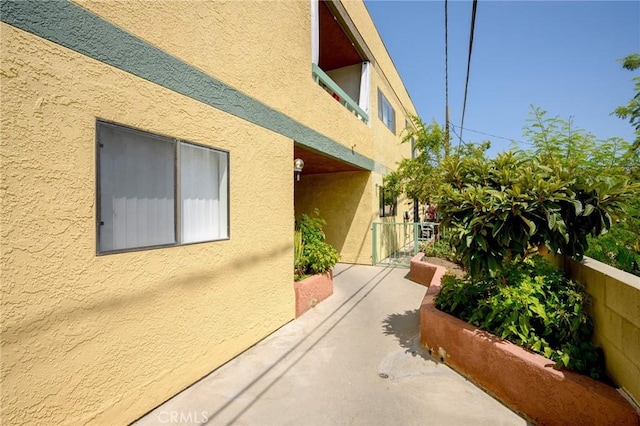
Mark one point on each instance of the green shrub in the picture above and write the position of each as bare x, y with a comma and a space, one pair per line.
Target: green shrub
441, 248
507, 207
315, 256
612, 251
620, 247
299, 260
539, 310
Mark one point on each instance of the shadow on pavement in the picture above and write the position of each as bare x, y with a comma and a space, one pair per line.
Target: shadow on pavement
406, 328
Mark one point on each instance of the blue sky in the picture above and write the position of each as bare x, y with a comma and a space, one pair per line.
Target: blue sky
557, 55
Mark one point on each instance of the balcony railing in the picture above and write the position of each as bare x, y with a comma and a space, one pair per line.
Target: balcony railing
338, 94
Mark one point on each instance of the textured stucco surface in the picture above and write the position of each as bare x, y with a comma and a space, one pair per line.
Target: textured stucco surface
344, 200
423, 272
106, 338
312, 290
103, 339
271, 71
85, 32
260, 48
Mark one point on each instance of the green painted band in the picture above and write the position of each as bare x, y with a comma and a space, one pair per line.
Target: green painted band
73, 27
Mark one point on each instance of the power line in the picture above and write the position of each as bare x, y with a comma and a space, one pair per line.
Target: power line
466, 85
459, 137
493, 136
446, 68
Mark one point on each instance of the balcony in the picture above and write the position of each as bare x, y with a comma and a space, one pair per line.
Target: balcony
340, 58
338, 94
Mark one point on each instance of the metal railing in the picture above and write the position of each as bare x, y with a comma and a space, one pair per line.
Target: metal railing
396, 243
338, 94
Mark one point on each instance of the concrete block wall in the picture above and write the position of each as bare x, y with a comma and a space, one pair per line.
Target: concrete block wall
615, 309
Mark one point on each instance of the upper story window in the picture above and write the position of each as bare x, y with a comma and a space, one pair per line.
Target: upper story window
339, 64
156, 191
386, 113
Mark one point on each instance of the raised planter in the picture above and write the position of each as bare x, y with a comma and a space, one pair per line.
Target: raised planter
422, 272
524, 381
312, 290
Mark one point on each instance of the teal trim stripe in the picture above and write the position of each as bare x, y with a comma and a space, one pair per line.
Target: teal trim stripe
71, 26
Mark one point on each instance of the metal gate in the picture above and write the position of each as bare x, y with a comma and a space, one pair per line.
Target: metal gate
396, 243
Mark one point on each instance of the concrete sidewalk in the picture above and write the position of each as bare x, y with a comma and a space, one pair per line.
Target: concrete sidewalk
355, 359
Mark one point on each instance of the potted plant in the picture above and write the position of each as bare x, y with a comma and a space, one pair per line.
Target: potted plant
314, 259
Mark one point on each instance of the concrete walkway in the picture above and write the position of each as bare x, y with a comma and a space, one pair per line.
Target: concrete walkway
355, 359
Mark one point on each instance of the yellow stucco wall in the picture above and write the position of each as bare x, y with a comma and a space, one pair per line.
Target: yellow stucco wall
362, 20
386, 77
344, 201
386, 144
106, 338
615, 309
263, 49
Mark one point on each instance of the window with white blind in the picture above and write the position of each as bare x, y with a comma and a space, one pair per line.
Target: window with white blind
156, 191
386, 113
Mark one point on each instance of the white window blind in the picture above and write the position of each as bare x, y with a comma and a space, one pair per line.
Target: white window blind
138, 189
203, 183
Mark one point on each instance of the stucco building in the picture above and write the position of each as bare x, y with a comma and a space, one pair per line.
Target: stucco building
148, 192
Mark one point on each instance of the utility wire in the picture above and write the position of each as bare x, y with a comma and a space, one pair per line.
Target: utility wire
446, 68
459, 137
493, 136
466, 85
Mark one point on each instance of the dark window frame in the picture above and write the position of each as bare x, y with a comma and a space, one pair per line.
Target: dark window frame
384, 106
177, 143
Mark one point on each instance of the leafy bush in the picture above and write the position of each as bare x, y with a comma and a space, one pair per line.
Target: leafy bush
312, 254
615, 249
441, 248
505, 208
299, 260
539, 310
620, 247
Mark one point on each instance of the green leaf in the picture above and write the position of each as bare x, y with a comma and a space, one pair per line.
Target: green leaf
497, 228
537, 308
492, 263
607, 220
588, 209
482, 242
551, 220
536, 346
524, 325
577, 205
530, 224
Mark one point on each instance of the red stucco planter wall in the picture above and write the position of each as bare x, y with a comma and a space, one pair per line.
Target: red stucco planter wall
422, 272
524, 381
312, 290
